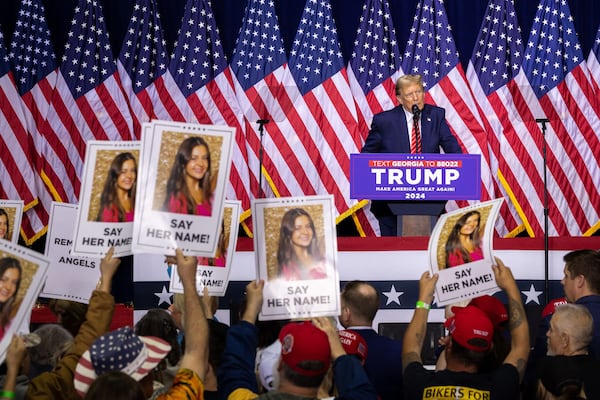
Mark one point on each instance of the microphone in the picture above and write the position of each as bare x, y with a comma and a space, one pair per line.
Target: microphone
416, 134
262, 121
540, 120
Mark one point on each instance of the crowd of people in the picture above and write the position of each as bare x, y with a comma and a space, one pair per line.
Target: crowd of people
185, 353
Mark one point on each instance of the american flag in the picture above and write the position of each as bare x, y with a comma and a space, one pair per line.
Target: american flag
200, 84
257, 67
491, 72
143, 59
18, 182
374, 65
373, 69
593, 63
34, 66
87, 102
555, 67
322, 126
431, 52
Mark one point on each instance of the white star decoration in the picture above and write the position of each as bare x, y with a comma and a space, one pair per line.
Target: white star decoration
164, 296
393, 296
532, 295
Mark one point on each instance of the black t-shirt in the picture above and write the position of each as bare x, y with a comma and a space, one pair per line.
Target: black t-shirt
423, 384
554, 371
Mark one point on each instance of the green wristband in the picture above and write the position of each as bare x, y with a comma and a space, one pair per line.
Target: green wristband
7, 394
422, 304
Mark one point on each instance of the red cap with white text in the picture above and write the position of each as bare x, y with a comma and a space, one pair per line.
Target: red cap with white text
302, 341
471, 328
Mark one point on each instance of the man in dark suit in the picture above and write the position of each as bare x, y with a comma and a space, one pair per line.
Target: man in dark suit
394, 131
359, 304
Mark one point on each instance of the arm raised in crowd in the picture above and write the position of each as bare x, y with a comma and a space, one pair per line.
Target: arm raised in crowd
254, 299
237, 379
108, 268
415, 332
195, 325
518, 325
14, 357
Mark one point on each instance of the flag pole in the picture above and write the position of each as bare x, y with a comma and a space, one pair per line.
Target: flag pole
543, 122
261, 130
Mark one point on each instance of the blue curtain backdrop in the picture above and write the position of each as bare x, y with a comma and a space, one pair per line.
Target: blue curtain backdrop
464, 17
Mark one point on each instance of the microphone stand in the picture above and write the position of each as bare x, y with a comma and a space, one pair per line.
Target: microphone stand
543, 122
261, 130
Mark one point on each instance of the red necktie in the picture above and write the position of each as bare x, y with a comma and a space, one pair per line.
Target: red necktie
415, 145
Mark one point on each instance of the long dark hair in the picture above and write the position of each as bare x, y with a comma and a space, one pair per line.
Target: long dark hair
453, 245
7, 234
285, 249
176, 183
108, 198
158, 322
6, 308
115, 385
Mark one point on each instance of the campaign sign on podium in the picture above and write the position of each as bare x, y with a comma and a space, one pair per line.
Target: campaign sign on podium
392, 176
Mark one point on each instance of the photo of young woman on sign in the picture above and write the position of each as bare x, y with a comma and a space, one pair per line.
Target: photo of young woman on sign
299, 254
189, 187
22, 273
4, 225
464, 242
11, 212
10, 280
118, 194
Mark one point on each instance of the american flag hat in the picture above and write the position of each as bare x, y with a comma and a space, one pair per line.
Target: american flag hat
119, 350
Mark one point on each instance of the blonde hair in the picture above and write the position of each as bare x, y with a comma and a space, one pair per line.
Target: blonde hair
408, 79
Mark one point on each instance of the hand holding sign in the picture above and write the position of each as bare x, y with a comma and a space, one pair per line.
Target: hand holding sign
503, 275
254, 299
186, 268
427, 287
108, 267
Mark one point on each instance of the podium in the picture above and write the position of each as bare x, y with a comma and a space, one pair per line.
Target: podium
414, 187
416, 218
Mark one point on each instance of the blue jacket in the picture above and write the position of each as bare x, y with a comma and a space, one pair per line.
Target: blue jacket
237, 370
389, 132
384, 364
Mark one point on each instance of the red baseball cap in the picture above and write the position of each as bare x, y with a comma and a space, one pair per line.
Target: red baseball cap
354, 343
551, 306
494, 309
471, 328
302, 341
